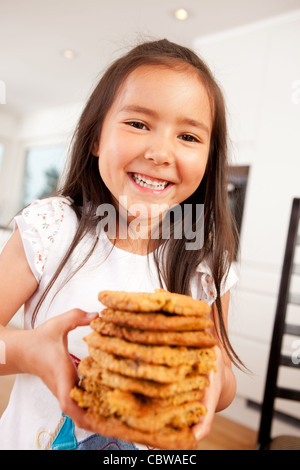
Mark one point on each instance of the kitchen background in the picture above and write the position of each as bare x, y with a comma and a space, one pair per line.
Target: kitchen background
51, 54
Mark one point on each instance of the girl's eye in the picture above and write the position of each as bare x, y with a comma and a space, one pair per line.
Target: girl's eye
137, 125
189, 138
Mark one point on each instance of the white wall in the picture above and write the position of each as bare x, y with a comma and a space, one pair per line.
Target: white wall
258, 68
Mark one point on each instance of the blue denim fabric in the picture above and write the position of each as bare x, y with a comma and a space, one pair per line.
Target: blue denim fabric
98, 442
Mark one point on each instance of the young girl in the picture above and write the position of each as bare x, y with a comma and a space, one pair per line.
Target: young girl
152, 136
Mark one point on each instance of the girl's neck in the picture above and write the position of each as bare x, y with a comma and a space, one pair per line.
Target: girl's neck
138, 246
134, 236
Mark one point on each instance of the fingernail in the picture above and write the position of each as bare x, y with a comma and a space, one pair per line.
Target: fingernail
92, 315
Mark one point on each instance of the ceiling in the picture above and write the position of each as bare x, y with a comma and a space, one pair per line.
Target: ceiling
33, 34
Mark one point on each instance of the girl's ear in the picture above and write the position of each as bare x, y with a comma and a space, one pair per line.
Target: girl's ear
95, 150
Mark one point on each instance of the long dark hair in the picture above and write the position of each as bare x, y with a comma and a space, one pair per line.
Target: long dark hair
84, 184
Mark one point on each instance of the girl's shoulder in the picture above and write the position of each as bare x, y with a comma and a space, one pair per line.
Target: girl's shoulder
204, 287
51, 209
46, 217
41, 224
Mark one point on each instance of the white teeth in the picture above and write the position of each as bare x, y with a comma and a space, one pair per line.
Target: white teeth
146, 183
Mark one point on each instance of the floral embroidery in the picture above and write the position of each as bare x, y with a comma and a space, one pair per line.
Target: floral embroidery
208, 289
43, 218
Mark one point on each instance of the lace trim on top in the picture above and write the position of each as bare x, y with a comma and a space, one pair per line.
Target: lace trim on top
43, 218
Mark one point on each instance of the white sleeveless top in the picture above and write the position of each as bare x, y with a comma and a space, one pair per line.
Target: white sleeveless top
33, 419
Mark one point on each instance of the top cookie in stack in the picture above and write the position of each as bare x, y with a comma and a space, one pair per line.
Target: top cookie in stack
149, 357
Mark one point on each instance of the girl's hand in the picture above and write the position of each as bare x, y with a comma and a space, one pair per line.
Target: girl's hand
222, 388
47, 357
214, 399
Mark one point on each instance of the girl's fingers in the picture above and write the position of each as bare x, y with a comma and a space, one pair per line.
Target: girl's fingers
203, 427
59, 373
211, 399
68, 321
77, 414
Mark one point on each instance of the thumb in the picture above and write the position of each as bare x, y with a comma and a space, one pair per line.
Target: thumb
203, 427
70, 320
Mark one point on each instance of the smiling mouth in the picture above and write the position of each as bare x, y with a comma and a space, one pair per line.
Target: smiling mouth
150, 183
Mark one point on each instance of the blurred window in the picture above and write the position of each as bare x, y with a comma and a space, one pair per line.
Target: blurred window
43, 167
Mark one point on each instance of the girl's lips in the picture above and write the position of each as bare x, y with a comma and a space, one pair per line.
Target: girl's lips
149, 179
148, 184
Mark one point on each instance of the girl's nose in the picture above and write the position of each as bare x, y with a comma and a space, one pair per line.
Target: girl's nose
159, 154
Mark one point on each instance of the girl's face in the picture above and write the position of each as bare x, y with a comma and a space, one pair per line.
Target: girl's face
155, 138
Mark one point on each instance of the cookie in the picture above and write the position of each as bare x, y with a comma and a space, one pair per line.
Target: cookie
167, 439
99, 390
167, 355
146, 416
150, 388
139, 369
178, 398
99, 380
96, 402
140, 416
99, 377
133, 405
147, 369
103, 377
199, 339
160, 300
89, 368
156, 321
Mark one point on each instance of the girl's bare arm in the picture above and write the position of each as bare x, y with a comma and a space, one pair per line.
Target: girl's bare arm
229, 381
17, 284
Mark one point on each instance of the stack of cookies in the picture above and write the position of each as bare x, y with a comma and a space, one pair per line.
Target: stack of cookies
146, 373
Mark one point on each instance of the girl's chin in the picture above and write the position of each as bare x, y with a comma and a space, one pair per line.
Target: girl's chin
145, 213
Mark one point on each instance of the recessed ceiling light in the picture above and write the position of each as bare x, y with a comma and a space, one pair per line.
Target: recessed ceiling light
68, 54
181, 14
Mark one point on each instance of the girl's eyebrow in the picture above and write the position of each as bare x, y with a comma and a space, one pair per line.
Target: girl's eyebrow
139, 109
150, 112
194, 123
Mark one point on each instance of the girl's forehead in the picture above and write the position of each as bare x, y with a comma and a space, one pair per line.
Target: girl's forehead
155, 73
162, 85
